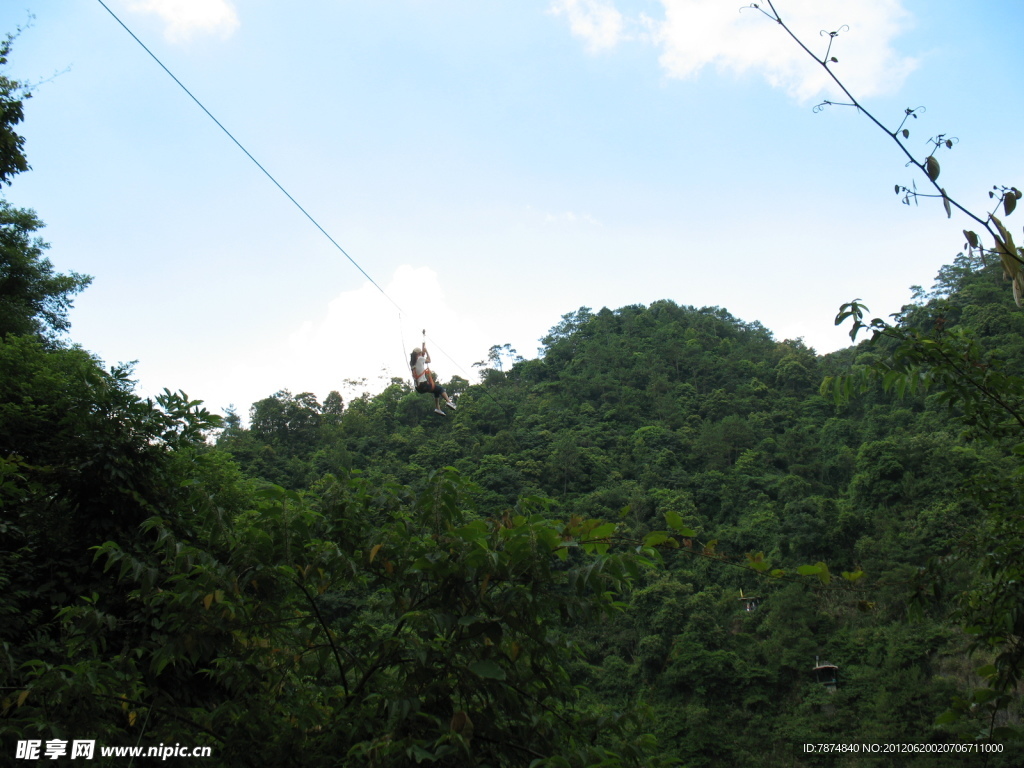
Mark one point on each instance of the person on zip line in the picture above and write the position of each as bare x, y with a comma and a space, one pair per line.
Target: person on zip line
424, 379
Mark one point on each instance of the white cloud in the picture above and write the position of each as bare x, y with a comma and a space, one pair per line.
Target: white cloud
695, 34
598, 22
363, 335
185, 18
357, 336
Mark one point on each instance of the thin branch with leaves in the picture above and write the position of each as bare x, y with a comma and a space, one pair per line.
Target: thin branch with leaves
1007, 197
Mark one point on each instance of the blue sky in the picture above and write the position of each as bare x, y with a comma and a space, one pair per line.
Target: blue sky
493, 166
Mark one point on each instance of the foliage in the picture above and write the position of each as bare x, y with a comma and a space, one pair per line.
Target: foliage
632, 550
932, 351
432, 636
12, 94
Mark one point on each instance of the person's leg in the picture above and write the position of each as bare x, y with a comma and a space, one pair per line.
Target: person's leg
440, 392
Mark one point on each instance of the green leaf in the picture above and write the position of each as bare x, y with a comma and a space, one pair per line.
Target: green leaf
983, 695
823, 573
655, 538
675, 522
1009, 203
757, 562
947, 717
487, 668
989, 670
420, 754
808, 570
931, 167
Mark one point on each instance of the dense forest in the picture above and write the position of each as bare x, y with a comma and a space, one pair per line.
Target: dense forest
671, 539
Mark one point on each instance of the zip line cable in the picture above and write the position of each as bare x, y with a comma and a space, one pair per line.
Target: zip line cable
269, 176
247, 154
283, 190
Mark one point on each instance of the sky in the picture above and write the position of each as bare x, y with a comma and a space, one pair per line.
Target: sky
492, 166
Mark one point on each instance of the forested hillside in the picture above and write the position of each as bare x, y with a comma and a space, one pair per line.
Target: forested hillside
640, 413
633, 550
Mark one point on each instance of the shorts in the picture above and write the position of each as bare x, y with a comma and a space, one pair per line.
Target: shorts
424, 388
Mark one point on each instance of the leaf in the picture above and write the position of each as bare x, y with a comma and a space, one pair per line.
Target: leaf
461, 722
420, 754
984, 694
989, 670
655, 538
487, 668
945, 204
823, 573
22, 696
755, 558
374, 551
931, 167
1009, 203
675, 522
906, 134
207, 601
820, 570
972, 238
853, 575
1007, 240
1006, 249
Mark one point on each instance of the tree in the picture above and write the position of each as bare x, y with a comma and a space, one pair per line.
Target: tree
368, 626
12, 93
33, 298
926, 352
